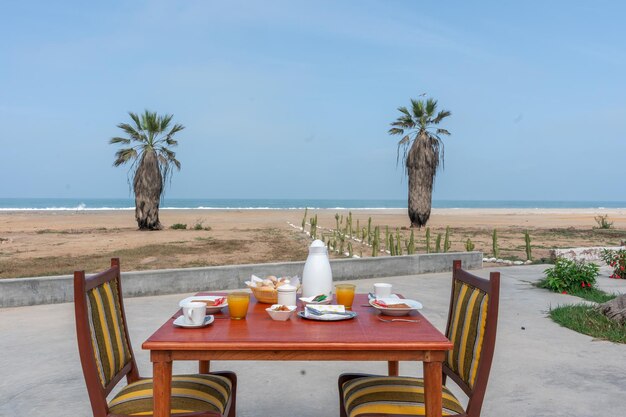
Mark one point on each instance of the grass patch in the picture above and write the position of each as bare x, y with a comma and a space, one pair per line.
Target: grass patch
178, 226
584, 319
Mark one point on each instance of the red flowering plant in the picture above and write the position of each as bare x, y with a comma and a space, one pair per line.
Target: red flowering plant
567, 276
616, 259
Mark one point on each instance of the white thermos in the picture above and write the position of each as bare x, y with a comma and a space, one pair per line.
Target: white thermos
317, 277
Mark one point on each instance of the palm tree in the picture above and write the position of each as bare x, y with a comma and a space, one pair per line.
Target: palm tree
422, 151
151, 160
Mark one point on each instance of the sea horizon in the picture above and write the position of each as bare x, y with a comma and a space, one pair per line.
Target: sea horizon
94, 204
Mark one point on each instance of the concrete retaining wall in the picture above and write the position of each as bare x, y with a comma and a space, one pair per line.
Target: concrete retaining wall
48, 290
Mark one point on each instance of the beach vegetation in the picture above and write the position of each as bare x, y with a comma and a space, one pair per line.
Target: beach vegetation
438, 243
178, 226
469, 245
616, 259
527, 247
148, 149
410, 247
568, 276
603, 222
421, 149
428, 240
494, 244
446, 241
306, 209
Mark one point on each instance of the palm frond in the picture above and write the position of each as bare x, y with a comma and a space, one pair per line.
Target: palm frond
404, 110
418, 108
136, 120
124, 155
441, 115
134, 134
396, 131
115, 140
443, 132
431, 107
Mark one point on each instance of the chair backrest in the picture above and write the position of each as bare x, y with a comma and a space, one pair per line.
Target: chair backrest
472, 322
105, 351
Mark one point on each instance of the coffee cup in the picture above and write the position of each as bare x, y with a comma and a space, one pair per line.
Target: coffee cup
382, 290
194, 313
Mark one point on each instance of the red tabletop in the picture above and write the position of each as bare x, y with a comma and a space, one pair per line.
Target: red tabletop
259, 332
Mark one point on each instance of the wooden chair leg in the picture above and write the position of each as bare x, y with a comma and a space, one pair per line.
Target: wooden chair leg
203, 367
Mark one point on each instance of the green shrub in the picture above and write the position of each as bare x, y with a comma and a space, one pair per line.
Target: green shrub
469, 245
178, 226
569, 276
603, 222
616, 259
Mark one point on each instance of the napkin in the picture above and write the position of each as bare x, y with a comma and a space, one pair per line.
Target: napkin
327, 310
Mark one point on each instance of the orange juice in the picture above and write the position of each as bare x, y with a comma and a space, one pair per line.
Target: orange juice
238, 305
345, 294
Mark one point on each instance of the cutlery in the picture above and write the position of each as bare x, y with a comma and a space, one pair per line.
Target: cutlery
391, 320
321, 313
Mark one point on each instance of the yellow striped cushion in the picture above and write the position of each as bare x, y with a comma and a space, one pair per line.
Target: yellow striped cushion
108, 337
190, 393
467, 331
392, 395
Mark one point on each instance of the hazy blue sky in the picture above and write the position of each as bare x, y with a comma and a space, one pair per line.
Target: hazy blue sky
294, 98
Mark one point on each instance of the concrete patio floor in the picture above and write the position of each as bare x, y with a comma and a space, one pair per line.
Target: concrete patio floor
539, 369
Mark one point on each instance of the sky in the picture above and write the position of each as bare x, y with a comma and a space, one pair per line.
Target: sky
293, 99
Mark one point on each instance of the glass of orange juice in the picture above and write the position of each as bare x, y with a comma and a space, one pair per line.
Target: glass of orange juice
345, 294
238, 305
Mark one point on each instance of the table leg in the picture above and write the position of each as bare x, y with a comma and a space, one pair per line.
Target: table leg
203, 367
432, 388
393, 368
162, 380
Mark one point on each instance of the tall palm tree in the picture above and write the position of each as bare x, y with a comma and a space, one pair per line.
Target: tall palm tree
422, 151
151, 160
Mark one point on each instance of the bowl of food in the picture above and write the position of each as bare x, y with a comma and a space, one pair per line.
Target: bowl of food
395, 306
280, 312
265, 290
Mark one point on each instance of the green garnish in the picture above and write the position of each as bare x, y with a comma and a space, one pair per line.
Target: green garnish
319, 298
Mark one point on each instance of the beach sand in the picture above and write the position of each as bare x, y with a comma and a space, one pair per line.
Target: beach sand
37, 243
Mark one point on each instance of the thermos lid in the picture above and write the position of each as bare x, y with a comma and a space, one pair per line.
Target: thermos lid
286, 288
317, 247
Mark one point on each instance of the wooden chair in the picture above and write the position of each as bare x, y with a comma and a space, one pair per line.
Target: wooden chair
471, 327
107, 356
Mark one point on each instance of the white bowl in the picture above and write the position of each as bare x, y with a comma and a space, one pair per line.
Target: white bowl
280, 315
413, 305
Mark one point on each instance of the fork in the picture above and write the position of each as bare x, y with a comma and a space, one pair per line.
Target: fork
392, 320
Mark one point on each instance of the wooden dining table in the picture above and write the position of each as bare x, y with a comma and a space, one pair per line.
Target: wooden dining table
258, 337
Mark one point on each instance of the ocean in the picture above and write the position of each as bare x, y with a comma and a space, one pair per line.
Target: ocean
72, 204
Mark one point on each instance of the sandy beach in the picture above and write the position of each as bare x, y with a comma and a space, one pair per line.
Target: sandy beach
36, 243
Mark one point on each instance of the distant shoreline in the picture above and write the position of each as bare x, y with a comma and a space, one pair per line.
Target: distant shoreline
127, 204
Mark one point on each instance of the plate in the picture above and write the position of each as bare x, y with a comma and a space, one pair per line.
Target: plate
180, 322
328, 317
414, 305
201, 298
307, 300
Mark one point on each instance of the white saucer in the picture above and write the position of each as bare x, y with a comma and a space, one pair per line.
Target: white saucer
180, 322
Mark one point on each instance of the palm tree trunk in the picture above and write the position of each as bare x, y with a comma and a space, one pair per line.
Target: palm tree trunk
421, 164
148, 185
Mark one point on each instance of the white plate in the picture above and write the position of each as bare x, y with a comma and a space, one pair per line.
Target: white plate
201, 298
180, 322
307, 300
414, 305
328, 317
